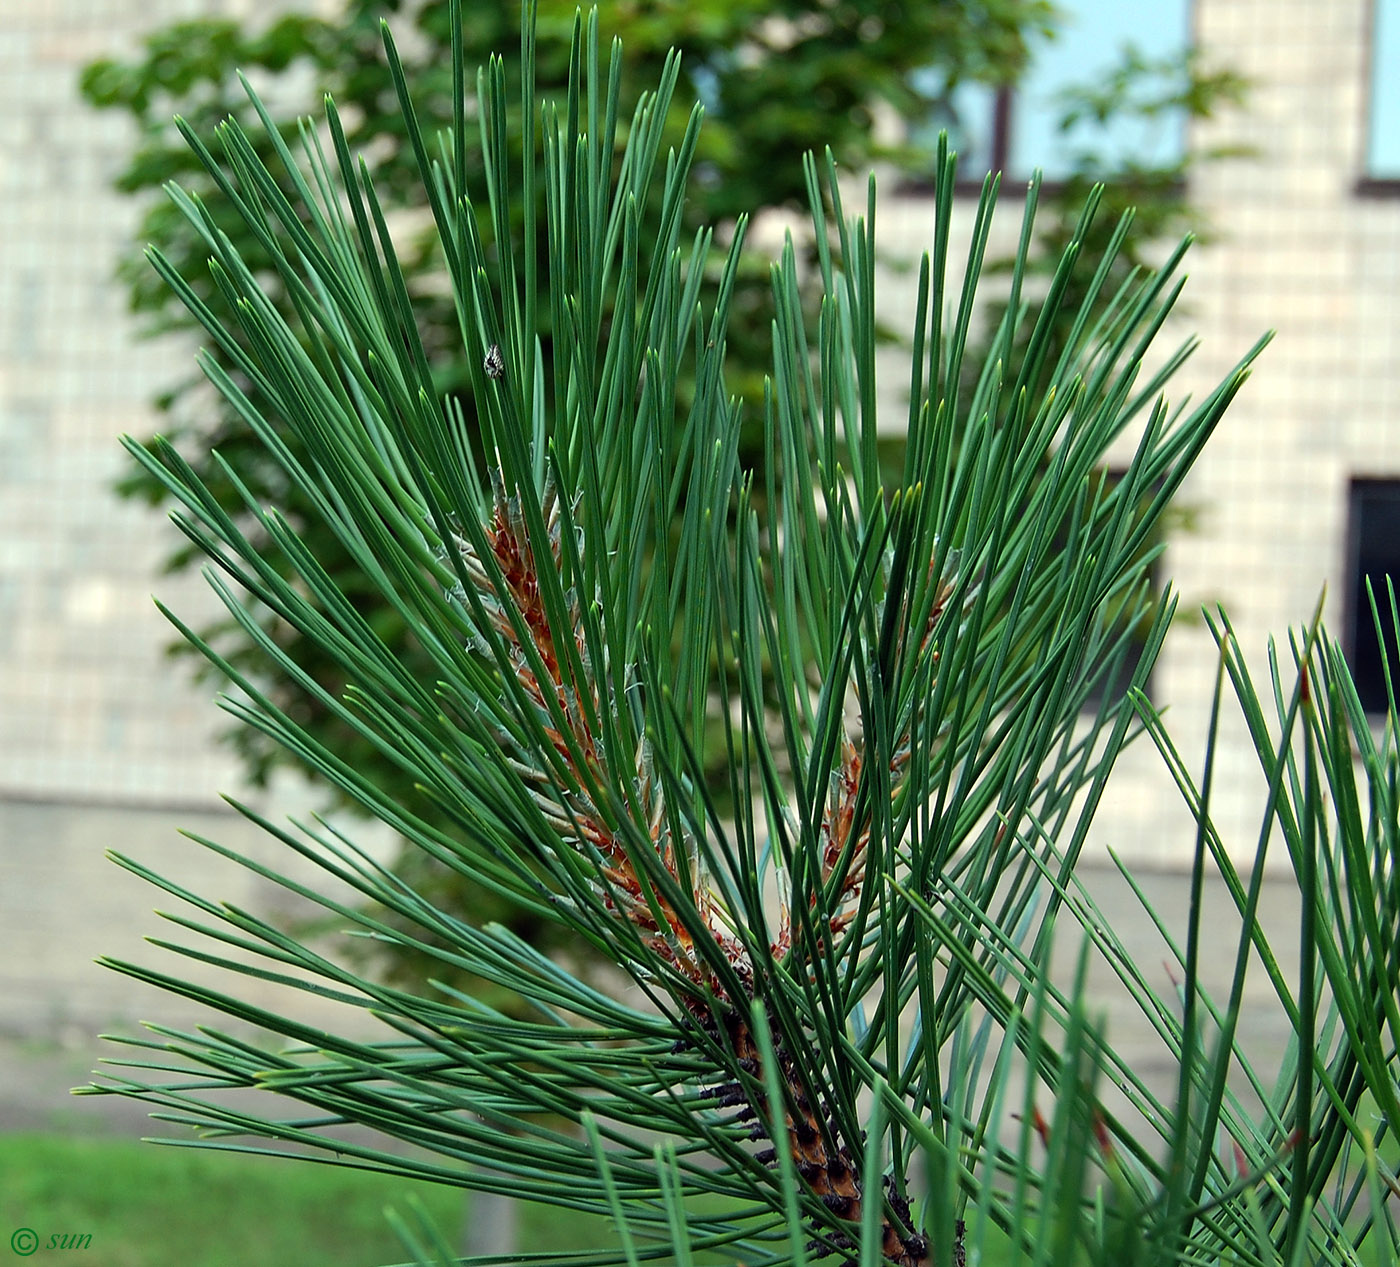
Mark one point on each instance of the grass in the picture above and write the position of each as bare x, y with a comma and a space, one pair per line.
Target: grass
147, 1206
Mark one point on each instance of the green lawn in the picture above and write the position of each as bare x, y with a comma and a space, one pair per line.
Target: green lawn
147, 1206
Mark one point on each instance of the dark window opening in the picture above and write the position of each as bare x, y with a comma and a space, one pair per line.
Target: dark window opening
1124, 618
1373, 551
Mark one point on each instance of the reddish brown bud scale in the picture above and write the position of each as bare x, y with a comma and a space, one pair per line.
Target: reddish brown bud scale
514, 604
1102, 1137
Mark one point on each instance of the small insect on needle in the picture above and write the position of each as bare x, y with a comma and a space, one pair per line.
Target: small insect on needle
494, 364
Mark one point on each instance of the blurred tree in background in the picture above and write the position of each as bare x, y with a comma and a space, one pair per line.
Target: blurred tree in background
777, 77
1139, 96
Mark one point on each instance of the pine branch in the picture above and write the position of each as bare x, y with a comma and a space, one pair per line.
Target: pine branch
840, 969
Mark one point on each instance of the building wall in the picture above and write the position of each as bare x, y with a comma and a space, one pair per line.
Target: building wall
1301, 252
88, 708
104, 743
1292, 246
101, 739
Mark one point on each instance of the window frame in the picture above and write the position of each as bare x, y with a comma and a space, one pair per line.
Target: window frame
1369, 185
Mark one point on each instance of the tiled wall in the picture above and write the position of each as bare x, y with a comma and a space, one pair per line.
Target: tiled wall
1301, 252
89, 707
103, 742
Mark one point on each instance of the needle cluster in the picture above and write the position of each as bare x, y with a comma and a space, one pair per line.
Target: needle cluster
806, 754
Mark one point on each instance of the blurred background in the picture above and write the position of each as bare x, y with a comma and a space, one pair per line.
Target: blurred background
1269, 127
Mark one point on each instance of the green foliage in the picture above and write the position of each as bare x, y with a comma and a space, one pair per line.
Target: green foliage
831, 1028
779, 78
